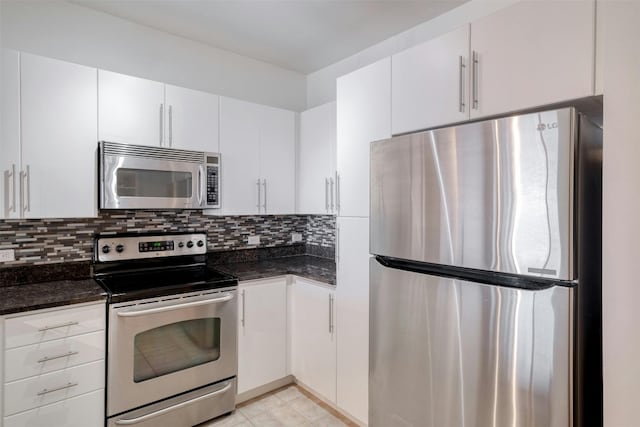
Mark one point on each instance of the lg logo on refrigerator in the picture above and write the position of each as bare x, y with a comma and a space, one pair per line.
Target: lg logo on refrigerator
545, 126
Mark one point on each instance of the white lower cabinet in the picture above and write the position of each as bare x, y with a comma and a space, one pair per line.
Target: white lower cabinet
313, 337
81, 411
352, 309
262, 332
54, 367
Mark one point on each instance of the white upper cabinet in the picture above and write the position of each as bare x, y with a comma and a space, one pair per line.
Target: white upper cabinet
317, 164
9, 133
363, 116
240, 156
531, 54
130, 110
430, 83
191, 119
257, 146
59, 138
277, 160
262, 333
313, 338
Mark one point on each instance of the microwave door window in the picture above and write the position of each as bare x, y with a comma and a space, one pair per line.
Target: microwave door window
154, 183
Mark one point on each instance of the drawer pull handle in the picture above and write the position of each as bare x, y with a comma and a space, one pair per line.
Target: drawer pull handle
51, 390
63, 325
60, 356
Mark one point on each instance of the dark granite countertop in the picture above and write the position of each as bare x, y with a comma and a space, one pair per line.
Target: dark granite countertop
35, 296
307, 266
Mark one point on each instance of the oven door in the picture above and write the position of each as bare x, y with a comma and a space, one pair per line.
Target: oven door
131, 182
162, 347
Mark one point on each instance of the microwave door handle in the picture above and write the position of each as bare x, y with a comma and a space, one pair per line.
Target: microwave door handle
138, 313
200, 185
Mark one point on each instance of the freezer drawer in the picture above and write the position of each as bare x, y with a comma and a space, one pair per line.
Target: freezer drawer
447, 352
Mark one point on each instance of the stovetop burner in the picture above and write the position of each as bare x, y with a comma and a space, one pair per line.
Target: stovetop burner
133, 272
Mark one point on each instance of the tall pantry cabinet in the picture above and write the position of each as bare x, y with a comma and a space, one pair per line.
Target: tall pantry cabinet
363, 116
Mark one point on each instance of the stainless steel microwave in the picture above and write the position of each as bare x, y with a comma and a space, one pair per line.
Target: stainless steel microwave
145, 177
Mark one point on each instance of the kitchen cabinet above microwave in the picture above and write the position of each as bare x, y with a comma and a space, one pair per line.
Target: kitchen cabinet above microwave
137, 111
523, 56
48, 138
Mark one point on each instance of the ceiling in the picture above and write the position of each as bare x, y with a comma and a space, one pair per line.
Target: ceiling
299, 35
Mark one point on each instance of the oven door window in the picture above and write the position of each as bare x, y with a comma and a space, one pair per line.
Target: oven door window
153, 183
175, 347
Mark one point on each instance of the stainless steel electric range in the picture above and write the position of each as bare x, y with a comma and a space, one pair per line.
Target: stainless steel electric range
172, 324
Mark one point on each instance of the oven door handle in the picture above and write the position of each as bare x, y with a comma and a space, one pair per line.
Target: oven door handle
137, 313
172, 408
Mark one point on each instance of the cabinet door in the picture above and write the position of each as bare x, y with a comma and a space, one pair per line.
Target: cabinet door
352, 307
532, 54
313, 338
316, 167
9, 133
278, 160
240, 156
430, 84
59, 138
363, 116
192, 119
262, 330
131, 110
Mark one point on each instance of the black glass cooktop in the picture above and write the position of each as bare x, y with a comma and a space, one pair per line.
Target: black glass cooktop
148, 283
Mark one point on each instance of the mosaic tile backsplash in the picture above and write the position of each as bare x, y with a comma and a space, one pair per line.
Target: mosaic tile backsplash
48, 241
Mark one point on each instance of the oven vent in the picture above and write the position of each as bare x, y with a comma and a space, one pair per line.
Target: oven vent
115, 149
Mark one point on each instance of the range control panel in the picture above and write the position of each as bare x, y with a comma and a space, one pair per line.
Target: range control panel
118, 248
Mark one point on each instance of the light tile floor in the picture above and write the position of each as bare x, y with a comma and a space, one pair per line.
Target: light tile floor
285, 408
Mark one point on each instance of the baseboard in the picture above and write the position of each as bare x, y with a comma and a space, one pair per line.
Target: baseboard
314, 394
263, 389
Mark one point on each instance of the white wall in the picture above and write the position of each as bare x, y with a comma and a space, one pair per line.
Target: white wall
321, 85
621, 211
77, 34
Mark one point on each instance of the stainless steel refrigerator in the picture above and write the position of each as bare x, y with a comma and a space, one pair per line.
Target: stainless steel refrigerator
485, 284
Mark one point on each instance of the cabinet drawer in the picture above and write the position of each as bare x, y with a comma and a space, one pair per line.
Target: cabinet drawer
53, 387
52, 325
81, 411
38, 359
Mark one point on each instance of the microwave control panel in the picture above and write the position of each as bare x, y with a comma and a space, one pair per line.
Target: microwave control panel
212, 181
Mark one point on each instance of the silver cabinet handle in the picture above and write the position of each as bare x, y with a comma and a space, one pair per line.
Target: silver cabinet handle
476, 64
338, 192
60, 356
62, 325
326, 194
462, 67
51, 390
243, 303
170, 125
259, 194
264, 183
331, 198
337, 245
161, 124
330, 313
25, 187
172, 408
137, 313
10, 206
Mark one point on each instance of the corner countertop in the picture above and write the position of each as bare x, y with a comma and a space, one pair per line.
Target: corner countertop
35, 296
308, 266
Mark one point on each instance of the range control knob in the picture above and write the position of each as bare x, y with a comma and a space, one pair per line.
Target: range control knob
119, 248
181, 245
200, 243
106, 249
189, 244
